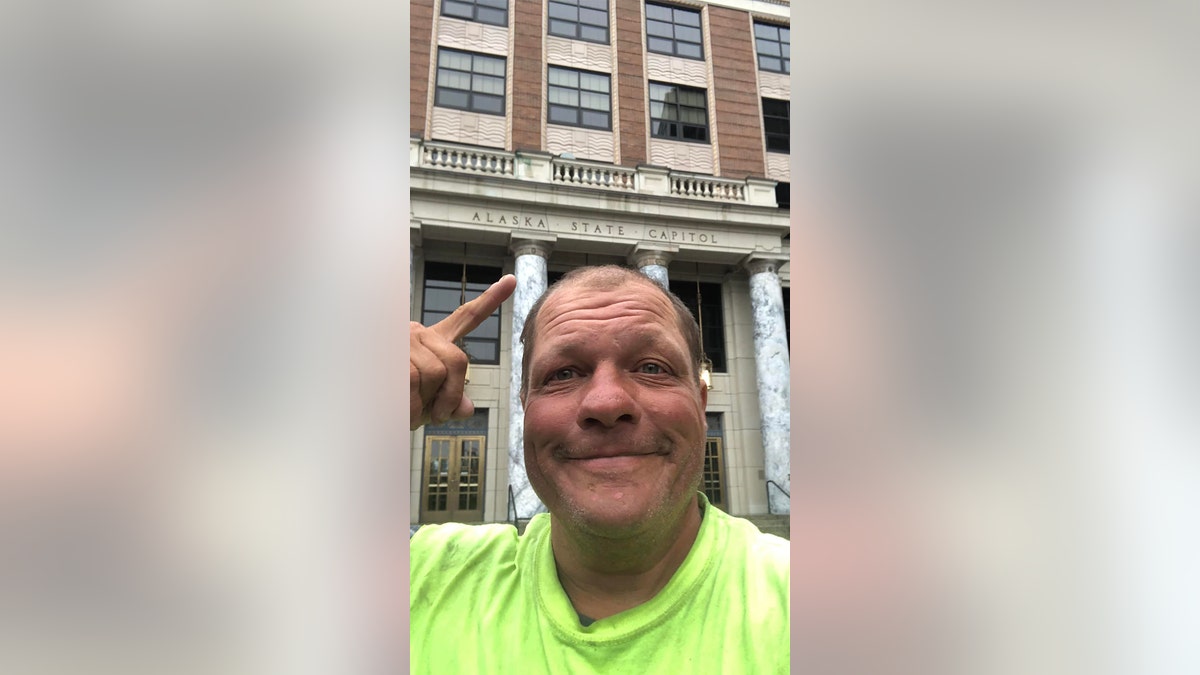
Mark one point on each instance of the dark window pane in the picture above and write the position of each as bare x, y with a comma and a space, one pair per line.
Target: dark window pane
785, 35
593, 17
769, 63
660, 28
660, 45
490, 328
777, 144
658, 12
688, 50
689, 34
775, 107
458, 9
763, 30
776, 125
595, 119
693, 133
498, 4
768, 48
564, 12
595, 34
563, 28
562, 115
498, 17
595, 4
685, 17
452, 98
492, 104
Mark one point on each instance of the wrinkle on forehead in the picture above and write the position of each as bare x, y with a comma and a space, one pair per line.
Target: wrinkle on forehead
599, 307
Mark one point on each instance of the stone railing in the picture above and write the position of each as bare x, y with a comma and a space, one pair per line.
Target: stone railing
592, 174
708, 187
466, 158
544, 167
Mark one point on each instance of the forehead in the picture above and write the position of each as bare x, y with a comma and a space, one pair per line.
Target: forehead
632, 307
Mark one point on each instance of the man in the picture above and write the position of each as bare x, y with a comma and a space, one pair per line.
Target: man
632, 571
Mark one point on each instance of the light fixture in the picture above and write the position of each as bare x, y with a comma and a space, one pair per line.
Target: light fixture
462, 300
705, 364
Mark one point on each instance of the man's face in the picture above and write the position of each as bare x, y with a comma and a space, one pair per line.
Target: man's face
614, 414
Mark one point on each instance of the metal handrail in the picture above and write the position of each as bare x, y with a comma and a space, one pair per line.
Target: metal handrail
777, 487
512, 507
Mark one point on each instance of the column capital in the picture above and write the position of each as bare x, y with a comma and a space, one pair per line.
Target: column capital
757, 263
414, 232
526, 245
642, 255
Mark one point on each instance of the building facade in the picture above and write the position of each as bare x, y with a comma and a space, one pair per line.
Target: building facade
549, 134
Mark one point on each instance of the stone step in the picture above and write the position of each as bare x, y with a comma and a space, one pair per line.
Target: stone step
776, 524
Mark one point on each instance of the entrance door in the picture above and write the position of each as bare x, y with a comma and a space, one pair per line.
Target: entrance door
713, 482
452, 489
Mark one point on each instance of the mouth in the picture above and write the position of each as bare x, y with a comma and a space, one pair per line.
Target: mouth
613, 463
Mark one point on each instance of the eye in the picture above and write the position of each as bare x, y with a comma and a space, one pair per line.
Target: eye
651, 369
562, 374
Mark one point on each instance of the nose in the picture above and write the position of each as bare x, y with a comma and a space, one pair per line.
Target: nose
608, 399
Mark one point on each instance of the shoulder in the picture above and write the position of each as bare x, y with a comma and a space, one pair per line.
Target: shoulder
439, 550
766, 556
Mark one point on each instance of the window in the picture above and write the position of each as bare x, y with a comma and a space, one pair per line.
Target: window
774, 44
680, 113
579, 98
469, 81
494, 12
776, 124
673, 30
714, 317
579, 19
443, 295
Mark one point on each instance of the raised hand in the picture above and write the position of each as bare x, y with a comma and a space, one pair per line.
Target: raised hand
438, 368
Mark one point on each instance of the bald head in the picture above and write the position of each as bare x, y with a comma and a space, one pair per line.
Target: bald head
608, 278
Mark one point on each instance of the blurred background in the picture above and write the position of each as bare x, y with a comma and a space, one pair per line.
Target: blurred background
203, 462
994, 412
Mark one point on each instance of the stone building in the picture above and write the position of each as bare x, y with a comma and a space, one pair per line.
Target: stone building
556, 133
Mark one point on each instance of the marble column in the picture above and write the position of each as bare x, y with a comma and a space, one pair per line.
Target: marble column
652, 263
530, 270
772, 367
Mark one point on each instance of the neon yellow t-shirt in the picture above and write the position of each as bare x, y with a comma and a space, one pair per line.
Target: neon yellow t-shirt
484, 600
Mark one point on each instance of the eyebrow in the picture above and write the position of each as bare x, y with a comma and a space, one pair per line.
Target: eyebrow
574, 347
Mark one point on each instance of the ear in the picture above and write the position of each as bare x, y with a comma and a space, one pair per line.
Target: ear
703, 394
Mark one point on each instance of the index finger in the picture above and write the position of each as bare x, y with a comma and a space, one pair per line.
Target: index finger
468, 317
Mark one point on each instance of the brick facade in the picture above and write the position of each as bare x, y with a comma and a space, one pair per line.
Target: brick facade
420, 39
527, 72
631, 81
738, 114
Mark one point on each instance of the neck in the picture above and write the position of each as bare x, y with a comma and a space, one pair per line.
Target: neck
604, 576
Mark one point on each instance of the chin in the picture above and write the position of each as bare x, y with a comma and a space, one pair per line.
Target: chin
613, 520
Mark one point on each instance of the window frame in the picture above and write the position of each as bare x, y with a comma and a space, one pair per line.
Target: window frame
768, 135
678, 121
578, 23
675, 25
475, 5
434, 277
579, 90
785, 61
471, 93
714, 317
